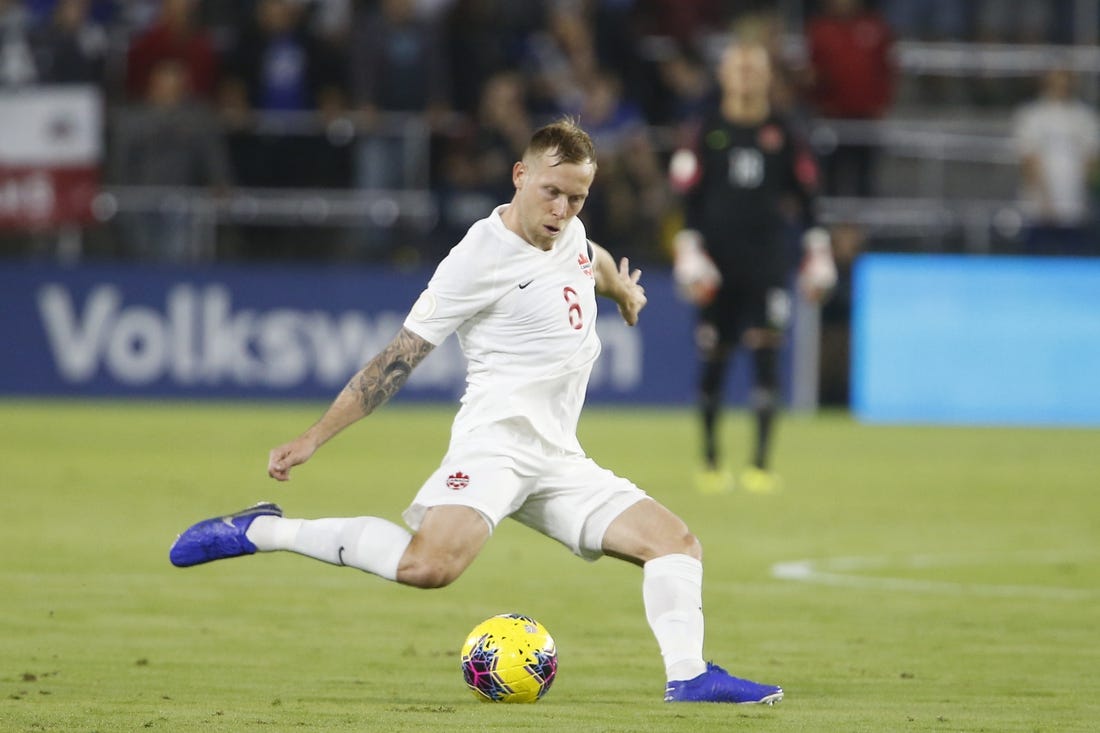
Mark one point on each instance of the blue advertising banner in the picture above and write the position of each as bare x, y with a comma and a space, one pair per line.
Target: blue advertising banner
287, 332
980, 340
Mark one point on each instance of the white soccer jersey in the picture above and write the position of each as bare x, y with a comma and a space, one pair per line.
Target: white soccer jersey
526, 322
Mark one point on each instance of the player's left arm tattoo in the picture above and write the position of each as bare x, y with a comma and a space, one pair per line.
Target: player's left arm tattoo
387, 372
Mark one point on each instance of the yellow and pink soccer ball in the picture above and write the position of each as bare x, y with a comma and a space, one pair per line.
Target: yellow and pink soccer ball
509, 658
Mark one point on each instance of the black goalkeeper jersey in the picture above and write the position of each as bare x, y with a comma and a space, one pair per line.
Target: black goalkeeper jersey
750, 182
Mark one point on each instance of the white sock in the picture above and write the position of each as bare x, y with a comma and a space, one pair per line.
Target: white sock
672, 588
370, 544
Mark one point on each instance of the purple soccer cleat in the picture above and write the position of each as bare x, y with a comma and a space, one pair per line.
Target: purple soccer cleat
718, 685
220, 537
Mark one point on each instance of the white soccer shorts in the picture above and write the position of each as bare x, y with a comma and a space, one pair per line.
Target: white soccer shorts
506, 470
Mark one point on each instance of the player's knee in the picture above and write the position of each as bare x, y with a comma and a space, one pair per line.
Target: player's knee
707, 342
691, 546
428, 575
763, 399
429, 571
766, 369
683, 543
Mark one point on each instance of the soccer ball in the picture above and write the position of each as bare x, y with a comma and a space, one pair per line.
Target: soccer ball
509, 658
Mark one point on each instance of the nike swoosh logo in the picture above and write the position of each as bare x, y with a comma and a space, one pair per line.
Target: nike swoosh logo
523, 285
340, 554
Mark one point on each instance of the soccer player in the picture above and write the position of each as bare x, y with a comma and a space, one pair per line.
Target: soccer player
740, 180
520, 291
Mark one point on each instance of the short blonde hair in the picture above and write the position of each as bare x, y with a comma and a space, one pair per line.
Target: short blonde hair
564, 140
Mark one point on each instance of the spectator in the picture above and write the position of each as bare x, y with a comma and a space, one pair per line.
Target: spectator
687, 87
70, 49
560, 60
277, 67
853, 77
618, 41
477, 164
167, 141
1058, 139
503, 129
611, 120
629, 206
174, 35
283, 104
16, 60
397, 66
477, 43
281, 68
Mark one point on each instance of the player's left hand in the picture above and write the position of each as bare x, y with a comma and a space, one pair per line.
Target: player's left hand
632, 298
817, 274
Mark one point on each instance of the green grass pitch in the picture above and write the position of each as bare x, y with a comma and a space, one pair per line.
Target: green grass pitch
948, 580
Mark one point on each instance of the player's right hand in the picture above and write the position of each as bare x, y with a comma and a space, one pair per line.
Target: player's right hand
695, 274
280, 460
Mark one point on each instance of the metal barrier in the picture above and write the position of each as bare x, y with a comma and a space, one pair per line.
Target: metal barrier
977, 221
205, 211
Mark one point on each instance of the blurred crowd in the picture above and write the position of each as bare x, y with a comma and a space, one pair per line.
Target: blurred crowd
327, 93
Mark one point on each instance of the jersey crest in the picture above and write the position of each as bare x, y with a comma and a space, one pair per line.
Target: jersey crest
717, 139
770, 138
585, 263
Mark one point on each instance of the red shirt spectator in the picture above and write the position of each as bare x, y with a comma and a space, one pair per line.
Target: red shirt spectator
851, 56
174, 36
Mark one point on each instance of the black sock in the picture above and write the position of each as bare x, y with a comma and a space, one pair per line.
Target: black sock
710, 403
763, 401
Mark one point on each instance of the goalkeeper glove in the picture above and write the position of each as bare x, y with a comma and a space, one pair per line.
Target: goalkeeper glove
695, 274
817, 273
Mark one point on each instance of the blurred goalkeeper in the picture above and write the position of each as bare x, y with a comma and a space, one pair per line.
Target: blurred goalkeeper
745, 180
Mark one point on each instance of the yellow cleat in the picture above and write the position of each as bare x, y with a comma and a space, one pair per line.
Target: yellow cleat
758, 481
712, 481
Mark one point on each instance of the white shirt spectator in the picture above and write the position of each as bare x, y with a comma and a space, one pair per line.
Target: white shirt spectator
1062, 137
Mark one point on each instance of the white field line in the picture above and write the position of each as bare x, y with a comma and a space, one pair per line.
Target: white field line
844, 572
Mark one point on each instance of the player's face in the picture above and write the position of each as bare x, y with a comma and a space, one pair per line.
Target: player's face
745, 71
548, 195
